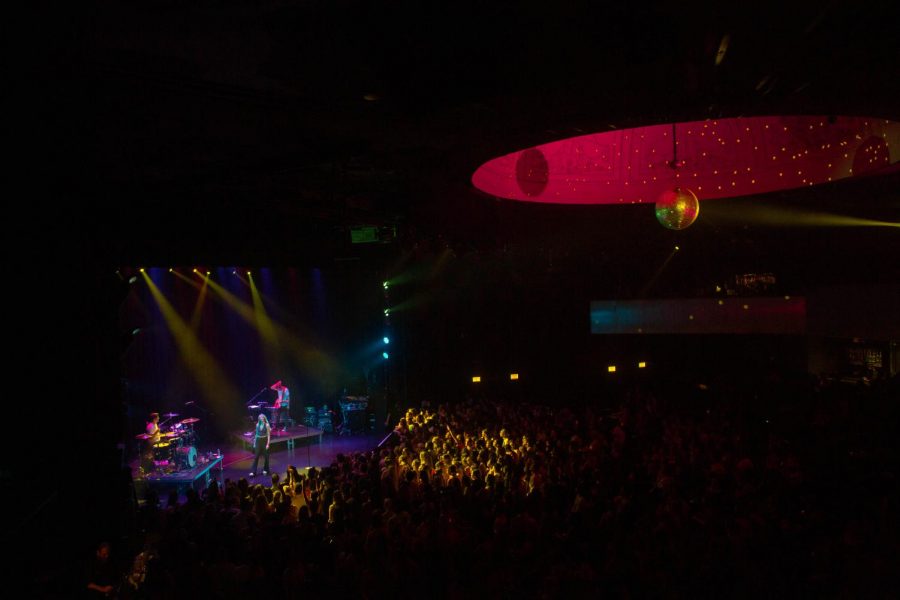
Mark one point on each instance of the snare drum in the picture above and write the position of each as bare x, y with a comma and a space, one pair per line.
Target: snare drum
187, 457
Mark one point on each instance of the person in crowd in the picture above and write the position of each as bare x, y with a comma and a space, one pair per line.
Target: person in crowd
102, 579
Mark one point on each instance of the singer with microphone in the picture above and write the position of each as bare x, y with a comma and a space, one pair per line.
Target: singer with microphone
261, 439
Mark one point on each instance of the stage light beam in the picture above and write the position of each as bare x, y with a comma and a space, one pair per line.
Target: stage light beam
214, 383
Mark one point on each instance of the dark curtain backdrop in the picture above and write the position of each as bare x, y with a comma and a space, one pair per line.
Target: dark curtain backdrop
336, 314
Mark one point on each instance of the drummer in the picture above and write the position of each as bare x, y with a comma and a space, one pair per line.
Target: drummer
153, 429
153, 436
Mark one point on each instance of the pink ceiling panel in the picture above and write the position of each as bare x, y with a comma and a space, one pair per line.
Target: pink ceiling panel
721, 158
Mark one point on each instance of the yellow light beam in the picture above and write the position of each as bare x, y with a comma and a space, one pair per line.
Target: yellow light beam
777, 216
213, 381
311, 359
270, 343
198, 307
662, 267
263, 322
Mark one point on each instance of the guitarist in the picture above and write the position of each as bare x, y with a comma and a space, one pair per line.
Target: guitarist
282, 405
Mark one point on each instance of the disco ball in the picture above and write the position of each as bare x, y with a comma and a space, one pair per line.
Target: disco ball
677, 208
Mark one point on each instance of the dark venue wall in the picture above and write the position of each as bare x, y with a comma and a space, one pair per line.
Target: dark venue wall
164, 135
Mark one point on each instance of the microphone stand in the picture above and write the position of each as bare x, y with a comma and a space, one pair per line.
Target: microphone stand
248, 402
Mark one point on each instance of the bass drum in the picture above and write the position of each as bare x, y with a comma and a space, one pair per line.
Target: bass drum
187, 457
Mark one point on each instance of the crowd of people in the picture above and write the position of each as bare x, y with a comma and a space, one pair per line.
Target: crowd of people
658, 494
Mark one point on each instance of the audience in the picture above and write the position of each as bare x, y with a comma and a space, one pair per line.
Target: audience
661, 493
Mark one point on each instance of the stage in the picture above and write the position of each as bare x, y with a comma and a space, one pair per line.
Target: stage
300, 433
181, 481
236, 460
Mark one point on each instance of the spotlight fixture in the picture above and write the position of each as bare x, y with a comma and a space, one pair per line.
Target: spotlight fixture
132, 279
386, 340
642, 365
476, 379
611, 369
385, 285
384, 355
513, 376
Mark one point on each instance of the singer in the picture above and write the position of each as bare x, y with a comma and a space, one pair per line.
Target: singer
261, 439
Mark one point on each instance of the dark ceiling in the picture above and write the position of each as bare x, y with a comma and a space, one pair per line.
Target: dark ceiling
228, 134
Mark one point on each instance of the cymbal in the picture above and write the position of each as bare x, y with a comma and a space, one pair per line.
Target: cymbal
189, 421
170, 415
253, 406
169, 434
142, 436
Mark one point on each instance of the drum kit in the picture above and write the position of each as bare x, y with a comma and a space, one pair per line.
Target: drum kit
176, 449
